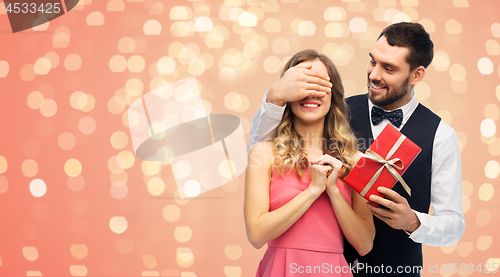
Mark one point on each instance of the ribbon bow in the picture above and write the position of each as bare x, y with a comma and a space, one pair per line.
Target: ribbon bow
388, 164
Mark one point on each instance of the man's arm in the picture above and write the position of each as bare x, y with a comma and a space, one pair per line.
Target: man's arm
297, 83
447, 224
265, 120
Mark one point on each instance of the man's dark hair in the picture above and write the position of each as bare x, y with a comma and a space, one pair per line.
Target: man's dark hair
414, 37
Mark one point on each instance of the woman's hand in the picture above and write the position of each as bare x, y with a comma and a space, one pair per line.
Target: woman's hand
318, 177
332, 176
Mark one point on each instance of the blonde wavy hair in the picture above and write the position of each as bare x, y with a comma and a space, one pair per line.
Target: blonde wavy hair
338, 138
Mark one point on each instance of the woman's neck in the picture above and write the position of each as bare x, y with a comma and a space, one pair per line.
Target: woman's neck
312, 135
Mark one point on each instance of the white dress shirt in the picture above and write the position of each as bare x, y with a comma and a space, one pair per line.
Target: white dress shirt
447, 224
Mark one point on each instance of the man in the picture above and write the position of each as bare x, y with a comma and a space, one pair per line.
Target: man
397, 63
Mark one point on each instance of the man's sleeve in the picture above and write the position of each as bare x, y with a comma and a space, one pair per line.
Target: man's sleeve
265, 120
447, 224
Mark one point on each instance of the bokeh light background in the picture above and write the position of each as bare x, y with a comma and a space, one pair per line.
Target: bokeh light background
74, 200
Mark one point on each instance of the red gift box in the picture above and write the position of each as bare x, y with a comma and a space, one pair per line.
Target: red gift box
383, 163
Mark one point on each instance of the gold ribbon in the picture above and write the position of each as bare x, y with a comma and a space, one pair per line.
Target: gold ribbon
386, 163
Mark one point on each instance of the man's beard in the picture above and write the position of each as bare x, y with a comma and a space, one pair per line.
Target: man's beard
390, 96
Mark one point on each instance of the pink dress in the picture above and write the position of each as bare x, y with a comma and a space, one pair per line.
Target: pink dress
314, 244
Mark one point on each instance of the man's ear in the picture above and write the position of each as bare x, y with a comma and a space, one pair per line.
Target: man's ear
417, 75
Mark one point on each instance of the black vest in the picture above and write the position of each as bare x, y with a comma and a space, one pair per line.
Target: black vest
393, 247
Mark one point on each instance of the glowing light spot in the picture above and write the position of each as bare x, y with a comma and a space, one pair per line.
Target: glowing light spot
4, 184
134, 86
452, 26
488, 128
35, 100
53, 59
281, 46
491, 264
118, 224
422, 91
192, 188
156, 186
335, 14
465, 248
66, 141
73, 167
149, 261
115, 6
185, 257
181, 13
197, 67
125, 159
336, 30
306, 28
485, 66
272, 64
119, 140
232, 271
228, 74
72, 62
29, 168
358, 25
87, 125
38, 188
30, 253
457, 72
78, 270
441, 61
79, 251
495, 30
126, 45
42, 66
118, 63
166, 65
484, 243
492, 169
48, 108
4, 69
233, 252
247, 19
118, 190
136, 63
95, 19
124, 246
485, 192
483, 217
3, 164
76, 184
272, 25
61, 37
492, 47
152, 27
171, 213
183, 233
28, 72
203, 24
491, 111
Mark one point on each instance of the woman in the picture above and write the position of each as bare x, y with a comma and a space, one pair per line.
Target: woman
294, 199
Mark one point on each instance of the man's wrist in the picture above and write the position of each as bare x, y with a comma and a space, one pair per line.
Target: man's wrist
414, 225
273, 100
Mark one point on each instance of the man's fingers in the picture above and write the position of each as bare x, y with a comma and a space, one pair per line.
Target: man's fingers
382, 201
302, 65
382, 214
318, 81
392, 195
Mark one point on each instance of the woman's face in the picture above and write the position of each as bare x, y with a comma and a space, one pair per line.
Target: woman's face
312, 109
